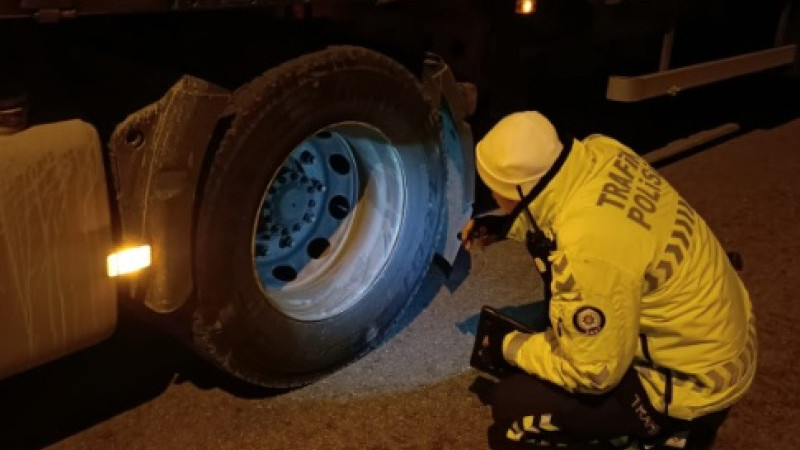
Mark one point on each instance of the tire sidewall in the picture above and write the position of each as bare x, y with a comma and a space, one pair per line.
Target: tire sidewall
234, 316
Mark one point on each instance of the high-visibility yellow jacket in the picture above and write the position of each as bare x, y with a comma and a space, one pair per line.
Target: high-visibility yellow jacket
638, 278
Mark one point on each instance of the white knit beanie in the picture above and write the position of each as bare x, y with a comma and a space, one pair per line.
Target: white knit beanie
518, 150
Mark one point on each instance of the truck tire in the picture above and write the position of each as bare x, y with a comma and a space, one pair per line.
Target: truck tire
318, 218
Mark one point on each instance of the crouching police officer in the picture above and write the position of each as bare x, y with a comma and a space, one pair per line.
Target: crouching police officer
652, 335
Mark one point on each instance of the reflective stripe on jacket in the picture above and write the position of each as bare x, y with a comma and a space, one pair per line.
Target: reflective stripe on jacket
636, 266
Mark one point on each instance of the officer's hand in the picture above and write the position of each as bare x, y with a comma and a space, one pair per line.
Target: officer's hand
476, 234
489, 356
487, 350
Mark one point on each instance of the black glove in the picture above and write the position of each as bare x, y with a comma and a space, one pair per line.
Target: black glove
487, 352
494, 226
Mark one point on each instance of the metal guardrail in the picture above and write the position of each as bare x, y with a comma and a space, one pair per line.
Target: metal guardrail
670, 82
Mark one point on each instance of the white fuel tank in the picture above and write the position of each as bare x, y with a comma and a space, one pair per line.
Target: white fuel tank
55, 234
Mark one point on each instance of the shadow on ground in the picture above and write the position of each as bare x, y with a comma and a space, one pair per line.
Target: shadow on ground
135, 365
56, 400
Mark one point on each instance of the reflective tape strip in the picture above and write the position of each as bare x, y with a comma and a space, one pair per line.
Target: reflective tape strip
749, 355
683, 212
699, 386
744, 360
733, 372
568, 285
545, 423
726, 375
666, 267
682, 203
686, 226
717, 382
573, 296
514, 433
679, 242
680, 235
527, 424
600, 379
675, 250
560, 265
680, 377
655, 378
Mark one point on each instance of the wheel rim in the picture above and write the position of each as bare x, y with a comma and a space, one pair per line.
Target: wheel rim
329, 221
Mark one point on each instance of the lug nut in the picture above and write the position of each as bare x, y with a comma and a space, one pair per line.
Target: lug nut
307, 157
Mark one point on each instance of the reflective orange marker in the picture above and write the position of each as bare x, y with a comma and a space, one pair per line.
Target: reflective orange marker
129, 260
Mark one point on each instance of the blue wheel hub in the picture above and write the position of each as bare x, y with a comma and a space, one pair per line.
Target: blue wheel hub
329, 221
306, 202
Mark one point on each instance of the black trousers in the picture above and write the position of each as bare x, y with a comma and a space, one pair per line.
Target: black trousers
531, 413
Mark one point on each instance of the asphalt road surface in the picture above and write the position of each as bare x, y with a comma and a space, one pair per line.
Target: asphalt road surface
140, 390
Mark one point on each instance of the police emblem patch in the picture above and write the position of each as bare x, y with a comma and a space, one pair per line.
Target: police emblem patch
589, 320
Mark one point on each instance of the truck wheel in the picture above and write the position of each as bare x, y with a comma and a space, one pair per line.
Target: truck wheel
318, 218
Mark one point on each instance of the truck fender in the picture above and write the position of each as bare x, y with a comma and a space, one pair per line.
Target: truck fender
455, 103
157, 157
